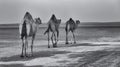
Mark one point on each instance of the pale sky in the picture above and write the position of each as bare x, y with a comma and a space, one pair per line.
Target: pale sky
12, 11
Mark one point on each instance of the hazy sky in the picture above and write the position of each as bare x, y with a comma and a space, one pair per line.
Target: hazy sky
12, 11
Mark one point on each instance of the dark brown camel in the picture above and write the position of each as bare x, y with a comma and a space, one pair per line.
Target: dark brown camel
28, 29
53, 26
71, 26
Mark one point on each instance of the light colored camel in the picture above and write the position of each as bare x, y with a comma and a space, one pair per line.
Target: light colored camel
53, 26
28, 29
71, 25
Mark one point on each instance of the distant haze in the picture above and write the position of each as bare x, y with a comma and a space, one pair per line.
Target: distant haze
12, 11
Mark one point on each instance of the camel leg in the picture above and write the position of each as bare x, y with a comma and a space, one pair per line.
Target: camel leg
57, 35
67, 37
33, 37
55, 44
22, 48
52, 38
48, 40
74, 37
26, 45
55, 40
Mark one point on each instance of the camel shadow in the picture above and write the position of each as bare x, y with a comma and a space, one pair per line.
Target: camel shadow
36, 55
80, 44
19, 65
90, 44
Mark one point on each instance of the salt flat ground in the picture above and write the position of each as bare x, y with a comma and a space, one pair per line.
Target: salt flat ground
96, 47
91, 54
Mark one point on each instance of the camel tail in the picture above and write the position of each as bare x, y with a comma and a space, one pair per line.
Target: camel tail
46, 31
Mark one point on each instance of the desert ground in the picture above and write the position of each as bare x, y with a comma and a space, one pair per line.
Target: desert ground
95, 47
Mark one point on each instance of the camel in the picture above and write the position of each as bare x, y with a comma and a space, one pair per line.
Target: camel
53, 26
28, 29
71, 25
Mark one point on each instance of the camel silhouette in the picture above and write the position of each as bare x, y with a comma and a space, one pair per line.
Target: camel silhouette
28, 29
71, 26
53, 26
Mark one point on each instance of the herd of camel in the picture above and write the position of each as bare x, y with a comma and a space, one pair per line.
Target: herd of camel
29, 26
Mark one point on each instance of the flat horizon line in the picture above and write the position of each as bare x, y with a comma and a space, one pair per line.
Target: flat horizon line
81, 22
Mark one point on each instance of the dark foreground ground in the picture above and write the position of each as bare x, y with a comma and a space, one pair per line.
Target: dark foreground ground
72, 55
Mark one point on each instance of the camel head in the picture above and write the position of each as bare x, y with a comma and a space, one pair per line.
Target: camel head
38, 21
77, 22
58, 21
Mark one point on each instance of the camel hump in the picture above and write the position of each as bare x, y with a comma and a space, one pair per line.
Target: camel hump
28, 17
71, 20
53, 18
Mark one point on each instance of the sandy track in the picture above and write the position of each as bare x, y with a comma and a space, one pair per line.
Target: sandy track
79, 55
